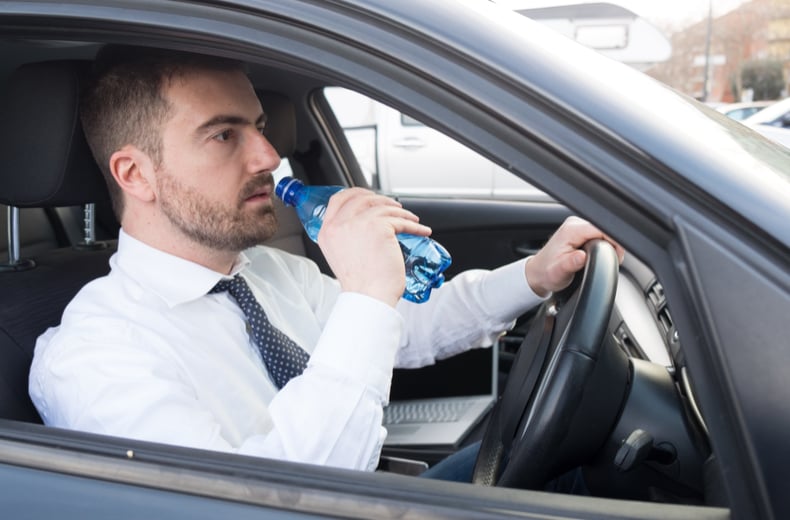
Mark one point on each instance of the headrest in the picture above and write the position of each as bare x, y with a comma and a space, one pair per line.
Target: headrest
44, 158
280, 127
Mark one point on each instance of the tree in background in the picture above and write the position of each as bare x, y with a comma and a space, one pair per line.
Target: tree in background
756, 31
765, 78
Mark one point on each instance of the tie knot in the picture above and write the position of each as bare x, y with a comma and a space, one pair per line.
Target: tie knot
232, 286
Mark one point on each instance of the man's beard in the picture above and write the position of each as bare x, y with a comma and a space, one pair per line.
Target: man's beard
212, 224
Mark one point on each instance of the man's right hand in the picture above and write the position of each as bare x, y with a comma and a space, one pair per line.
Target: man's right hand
358, 240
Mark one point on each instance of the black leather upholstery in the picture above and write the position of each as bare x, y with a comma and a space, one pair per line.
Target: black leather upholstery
32, 301
44, 163
44, 157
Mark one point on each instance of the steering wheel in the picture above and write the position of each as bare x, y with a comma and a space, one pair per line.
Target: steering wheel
543, 425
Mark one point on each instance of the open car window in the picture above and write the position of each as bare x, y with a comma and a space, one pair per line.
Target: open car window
399, 155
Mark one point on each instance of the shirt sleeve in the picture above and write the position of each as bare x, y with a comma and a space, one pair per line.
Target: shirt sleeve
332, 413
116, 388
347, 380
472, 310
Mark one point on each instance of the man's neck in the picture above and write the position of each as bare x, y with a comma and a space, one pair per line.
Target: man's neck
176, 244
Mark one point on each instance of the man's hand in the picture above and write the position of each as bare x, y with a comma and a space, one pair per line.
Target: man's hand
358, 240
553, 267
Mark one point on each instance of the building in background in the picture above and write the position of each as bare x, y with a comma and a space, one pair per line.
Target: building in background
754, 37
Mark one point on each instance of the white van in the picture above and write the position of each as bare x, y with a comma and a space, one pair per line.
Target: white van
401, 156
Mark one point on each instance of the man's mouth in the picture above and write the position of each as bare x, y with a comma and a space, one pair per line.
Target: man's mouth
259, 193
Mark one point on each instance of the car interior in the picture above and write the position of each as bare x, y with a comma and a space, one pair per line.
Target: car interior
638, 433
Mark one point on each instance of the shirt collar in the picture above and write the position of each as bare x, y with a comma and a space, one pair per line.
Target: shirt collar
170, 277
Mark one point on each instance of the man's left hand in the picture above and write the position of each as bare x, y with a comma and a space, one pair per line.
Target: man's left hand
553, 267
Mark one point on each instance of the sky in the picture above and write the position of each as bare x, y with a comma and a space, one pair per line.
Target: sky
664, 14
678, 13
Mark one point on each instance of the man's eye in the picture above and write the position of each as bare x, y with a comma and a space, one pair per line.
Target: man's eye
224, 135
262, 130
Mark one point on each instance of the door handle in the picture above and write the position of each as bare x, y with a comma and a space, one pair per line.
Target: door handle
409, 142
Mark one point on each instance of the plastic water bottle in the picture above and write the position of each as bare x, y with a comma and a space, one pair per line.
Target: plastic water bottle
425, 259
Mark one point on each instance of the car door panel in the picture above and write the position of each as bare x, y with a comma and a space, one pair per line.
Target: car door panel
484, 234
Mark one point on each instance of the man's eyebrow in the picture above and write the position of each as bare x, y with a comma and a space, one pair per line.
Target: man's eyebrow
229, 120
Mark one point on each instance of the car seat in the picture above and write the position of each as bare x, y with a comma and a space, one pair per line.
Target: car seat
44, 163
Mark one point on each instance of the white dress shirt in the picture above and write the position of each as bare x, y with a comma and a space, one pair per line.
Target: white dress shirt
145, 352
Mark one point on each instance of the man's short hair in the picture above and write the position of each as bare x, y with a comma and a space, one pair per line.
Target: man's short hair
123, 102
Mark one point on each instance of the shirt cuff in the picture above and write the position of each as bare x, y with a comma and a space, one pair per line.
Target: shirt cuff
360, 341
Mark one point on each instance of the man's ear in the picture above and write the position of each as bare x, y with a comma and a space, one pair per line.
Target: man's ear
133, 171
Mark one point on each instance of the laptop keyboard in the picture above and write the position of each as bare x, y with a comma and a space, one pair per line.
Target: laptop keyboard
425, 411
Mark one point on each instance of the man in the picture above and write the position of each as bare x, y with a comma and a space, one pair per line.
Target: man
157, 350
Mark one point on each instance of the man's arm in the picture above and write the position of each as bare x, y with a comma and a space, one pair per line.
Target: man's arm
477, 306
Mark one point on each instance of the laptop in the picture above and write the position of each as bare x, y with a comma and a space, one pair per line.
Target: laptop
446, 420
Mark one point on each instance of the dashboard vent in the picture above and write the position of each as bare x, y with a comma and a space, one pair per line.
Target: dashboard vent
665, 319
656, 296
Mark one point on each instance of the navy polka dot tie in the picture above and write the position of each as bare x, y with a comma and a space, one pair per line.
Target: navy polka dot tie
283, 358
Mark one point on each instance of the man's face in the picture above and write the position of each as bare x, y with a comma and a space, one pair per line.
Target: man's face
214, 183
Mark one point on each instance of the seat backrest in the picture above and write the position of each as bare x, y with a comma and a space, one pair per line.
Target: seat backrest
45, 162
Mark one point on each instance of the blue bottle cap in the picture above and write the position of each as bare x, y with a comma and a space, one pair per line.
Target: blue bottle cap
286, 189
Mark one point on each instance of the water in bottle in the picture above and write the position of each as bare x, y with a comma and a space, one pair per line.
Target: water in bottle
425, 259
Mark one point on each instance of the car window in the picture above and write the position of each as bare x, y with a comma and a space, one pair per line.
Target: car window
400, 155
771, 114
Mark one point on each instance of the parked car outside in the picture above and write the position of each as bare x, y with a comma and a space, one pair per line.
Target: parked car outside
773, 122
742, 110
680, 409
776, 114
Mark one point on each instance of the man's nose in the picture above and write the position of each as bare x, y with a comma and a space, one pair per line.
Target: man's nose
261, 154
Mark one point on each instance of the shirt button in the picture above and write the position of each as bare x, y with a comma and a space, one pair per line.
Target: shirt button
247, 326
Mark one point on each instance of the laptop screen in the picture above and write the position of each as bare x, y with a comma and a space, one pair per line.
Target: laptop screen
470, 373
439, 405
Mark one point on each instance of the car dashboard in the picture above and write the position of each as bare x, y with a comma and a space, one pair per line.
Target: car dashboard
657, 449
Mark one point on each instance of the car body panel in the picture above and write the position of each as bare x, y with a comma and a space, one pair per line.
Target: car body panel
740, 111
